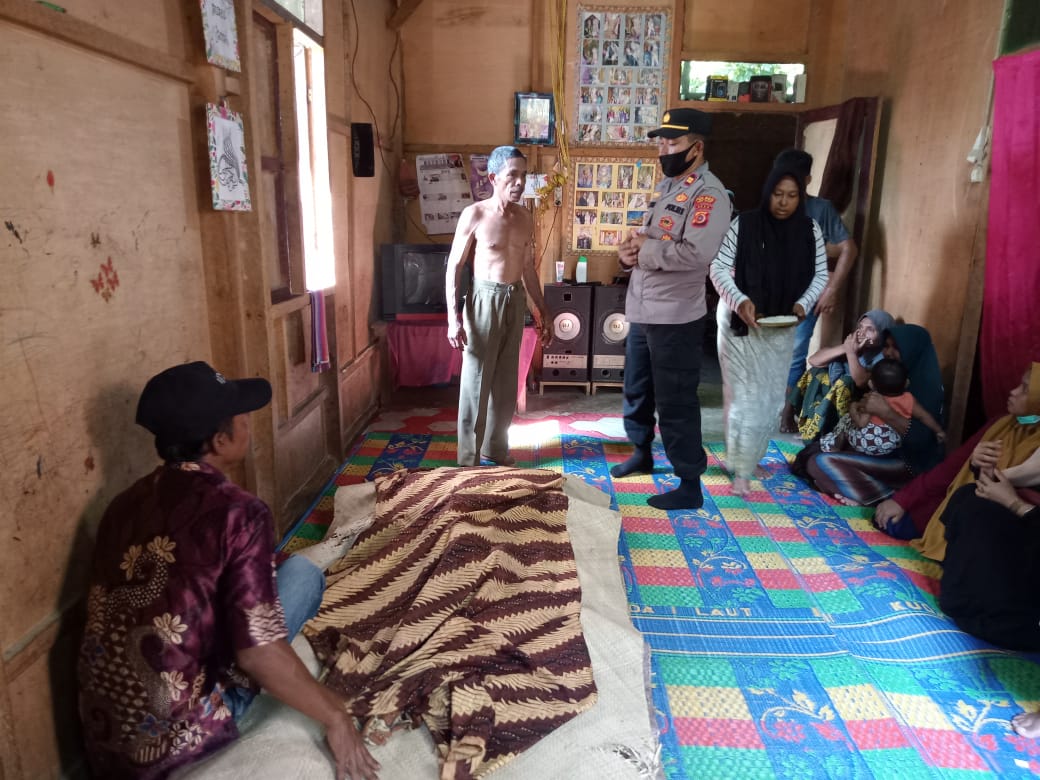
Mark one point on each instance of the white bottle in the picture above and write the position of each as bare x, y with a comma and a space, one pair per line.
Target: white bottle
581, 271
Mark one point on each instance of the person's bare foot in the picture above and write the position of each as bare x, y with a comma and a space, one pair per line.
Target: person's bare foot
845, 500
788, 424
1027, 724
741, 486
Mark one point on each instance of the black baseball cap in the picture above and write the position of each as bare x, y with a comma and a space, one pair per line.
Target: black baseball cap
187, 403
680, 121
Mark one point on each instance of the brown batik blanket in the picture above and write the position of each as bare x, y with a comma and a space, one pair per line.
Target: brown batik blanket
459, 607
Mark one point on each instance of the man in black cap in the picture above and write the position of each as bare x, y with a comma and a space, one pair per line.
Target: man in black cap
668, 259
186, 618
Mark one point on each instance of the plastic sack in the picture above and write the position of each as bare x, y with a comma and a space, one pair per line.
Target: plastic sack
754, 381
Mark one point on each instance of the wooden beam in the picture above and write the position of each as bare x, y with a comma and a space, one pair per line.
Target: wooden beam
970, 321
403, 12
72, 30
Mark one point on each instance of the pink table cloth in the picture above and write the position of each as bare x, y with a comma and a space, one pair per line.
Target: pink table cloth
420, 355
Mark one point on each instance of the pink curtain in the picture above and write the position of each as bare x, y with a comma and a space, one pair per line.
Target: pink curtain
1010, 335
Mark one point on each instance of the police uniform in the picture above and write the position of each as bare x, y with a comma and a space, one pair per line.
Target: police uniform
665, 306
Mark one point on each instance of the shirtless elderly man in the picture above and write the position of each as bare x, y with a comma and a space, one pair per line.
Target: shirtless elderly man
497, 235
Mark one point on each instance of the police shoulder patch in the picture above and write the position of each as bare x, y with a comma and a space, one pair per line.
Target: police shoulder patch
700, 218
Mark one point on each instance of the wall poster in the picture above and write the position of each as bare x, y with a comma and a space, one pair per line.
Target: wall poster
218, 28
228, 177
622, 74
444, 191
609, 197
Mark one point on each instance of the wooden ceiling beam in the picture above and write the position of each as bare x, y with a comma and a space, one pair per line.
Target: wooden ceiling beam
400, 16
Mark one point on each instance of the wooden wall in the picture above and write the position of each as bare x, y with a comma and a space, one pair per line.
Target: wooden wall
454, 106
116, 267
931, 61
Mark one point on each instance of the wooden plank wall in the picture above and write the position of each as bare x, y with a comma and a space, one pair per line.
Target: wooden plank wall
104, 281
931, 62
116, 267
444, 115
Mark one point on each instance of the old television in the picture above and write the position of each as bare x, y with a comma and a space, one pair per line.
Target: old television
412, 280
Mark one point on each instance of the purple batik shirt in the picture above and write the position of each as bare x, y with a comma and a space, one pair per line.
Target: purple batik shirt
183, 578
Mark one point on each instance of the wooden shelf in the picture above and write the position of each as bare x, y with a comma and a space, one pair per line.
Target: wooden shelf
740, 108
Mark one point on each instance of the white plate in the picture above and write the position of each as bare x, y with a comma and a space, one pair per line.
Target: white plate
779, 321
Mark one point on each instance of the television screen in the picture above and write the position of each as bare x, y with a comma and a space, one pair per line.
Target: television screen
413, 280
422, 278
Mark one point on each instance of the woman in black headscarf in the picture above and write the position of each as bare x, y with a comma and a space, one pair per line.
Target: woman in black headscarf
769, 272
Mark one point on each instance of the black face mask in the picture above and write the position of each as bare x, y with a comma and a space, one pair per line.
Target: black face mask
675, 163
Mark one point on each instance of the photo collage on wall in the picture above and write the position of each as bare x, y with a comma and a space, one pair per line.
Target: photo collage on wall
610, 196
622, 67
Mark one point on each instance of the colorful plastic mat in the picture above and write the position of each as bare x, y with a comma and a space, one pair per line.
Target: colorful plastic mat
789, 638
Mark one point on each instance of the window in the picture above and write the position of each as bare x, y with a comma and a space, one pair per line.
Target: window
313, 163
694, 80
309, 12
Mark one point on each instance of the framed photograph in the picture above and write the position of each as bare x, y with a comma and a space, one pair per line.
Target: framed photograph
607, 197
622, 74
534, 119
229, 179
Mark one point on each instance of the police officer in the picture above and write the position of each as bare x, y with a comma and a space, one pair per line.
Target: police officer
668, 260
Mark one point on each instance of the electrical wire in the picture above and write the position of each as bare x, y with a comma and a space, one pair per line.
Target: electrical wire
552, 226
357, 89
558, 26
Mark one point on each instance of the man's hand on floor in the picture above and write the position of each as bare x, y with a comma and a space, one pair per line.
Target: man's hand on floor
353, 761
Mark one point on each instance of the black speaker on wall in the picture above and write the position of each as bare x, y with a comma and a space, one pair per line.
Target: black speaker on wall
566, 359
609, 331
362, 149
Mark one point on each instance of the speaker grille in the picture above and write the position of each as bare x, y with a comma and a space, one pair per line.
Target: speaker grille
610, 329
567, 356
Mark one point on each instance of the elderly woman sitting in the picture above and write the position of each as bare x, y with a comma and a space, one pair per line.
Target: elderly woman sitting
866, 479
825, 390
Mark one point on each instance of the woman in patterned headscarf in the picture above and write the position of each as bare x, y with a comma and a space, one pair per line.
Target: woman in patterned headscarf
865, 479
825, 390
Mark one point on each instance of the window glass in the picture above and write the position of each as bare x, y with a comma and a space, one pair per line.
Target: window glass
693, 83
313, 147
307, 11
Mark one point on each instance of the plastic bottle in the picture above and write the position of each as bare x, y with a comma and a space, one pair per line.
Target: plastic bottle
581, 271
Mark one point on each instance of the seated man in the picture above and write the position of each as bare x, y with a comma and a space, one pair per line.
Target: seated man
185, 615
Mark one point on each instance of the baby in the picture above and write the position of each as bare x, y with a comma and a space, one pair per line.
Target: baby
859, 432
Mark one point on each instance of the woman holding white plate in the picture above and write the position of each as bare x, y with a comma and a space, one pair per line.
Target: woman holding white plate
769, 272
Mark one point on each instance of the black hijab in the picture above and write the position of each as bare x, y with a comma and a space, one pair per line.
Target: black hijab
776, 258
